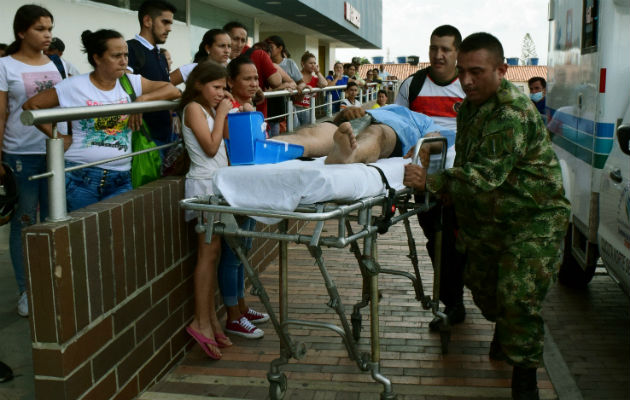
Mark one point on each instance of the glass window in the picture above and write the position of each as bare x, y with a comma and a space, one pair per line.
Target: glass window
590, 19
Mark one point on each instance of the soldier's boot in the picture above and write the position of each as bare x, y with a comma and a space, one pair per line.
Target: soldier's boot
496, 353
524, 384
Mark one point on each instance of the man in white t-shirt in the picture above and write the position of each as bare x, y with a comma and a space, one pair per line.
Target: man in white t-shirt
436, 91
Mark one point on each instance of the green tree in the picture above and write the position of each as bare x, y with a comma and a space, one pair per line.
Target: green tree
528, 50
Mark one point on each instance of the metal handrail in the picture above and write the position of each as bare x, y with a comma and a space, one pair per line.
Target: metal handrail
55, 151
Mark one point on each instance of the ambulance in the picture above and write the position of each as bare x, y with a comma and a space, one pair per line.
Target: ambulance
588, 117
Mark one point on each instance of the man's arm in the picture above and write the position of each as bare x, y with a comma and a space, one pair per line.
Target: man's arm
266, 68
491, 160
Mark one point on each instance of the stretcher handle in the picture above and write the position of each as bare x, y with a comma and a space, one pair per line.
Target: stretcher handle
416, 154
421, 141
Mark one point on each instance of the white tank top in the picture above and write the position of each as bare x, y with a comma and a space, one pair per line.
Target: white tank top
202, 166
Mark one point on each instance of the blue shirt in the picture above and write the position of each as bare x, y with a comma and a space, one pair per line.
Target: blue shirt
540, 105
409, 125
336, 94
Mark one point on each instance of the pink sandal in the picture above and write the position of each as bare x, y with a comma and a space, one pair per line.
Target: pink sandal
203, 342
220, 339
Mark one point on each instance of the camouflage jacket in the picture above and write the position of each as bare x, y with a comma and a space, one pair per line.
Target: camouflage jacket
506, 181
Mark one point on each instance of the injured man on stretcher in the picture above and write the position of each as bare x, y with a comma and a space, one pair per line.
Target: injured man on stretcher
364, 136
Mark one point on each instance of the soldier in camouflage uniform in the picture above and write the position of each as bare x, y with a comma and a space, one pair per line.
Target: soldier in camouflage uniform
506, 185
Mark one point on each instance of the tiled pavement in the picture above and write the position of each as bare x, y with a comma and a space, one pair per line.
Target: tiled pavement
590, 330
410, 355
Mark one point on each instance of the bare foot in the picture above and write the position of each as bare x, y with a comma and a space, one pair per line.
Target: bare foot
344, 147
219, 336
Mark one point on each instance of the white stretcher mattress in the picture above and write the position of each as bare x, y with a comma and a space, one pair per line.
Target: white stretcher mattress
283, 186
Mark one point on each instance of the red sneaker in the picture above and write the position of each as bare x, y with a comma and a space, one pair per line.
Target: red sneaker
255, 316
244, 328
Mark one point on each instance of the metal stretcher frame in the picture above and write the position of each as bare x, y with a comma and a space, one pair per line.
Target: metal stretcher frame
360, 211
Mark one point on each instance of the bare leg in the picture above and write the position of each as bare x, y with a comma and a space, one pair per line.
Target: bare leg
376, 141
316, 139
205, 278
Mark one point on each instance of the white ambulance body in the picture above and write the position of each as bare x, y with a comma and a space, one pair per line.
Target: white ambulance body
588, 102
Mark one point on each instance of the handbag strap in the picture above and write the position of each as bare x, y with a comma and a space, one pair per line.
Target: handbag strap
128, 88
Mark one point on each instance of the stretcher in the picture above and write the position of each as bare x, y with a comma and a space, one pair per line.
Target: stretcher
219, 217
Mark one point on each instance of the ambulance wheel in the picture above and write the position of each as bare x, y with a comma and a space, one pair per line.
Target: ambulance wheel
571, 273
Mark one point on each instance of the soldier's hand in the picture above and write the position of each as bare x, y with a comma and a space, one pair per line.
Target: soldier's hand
351, 113
423, 155
415, 177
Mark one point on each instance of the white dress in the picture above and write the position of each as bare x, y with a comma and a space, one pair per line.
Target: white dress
202, 167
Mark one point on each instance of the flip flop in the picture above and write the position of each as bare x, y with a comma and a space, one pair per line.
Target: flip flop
220, 336
203, 342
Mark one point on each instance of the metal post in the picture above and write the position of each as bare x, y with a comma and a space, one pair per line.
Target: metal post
283, 256
312, 109
290, 115
329, 106
57, 210
361, 95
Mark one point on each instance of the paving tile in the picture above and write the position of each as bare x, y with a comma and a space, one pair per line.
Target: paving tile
410, 354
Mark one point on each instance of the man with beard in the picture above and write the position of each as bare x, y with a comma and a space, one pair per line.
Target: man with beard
156, 21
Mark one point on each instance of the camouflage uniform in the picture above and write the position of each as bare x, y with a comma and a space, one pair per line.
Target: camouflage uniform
507, 188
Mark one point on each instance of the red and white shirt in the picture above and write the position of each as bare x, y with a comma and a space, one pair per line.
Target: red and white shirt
438, 102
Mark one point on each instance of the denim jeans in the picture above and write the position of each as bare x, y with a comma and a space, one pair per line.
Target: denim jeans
33, 195
231, 272
92, 184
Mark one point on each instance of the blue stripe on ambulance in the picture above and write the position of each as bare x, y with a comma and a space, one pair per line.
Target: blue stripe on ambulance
576, 137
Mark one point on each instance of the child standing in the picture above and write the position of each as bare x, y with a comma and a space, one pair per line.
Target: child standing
205, 109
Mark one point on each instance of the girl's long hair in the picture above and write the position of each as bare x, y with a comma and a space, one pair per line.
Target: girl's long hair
207, 40
278, 42
204, 72
25, 17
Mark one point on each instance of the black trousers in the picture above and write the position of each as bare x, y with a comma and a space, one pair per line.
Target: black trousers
452, 268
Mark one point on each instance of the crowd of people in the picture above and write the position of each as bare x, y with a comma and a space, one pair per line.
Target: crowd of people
502, 205
225, 76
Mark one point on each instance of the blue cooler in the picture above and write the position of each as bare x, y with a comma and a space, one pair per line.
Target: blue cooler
248, 145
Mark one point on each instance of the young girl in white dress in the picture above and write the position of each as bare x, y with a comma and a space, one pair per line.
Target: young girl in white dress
205, 109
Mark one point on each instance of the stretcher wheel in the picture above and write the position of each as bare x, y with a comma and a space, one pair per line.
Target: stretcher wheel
355, 318
389, 396
277, 387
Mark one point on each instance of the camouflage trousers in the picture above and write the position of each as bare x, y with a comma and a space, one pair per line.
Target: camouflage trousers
509, 287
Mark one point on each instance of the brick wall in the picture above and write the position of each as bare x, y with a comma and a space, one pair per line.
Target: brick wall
111, 291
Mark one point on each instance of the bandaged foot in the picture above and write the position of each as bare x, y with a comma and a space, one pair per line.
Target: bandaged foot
345, 143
